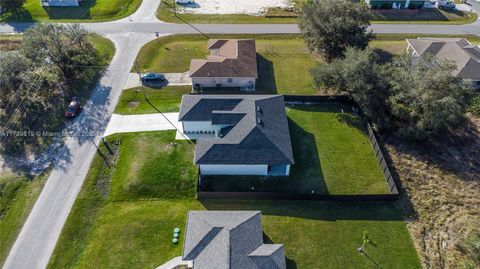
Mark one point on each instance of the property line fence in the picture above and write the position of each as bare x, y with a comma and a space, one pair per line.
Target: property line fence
374, 142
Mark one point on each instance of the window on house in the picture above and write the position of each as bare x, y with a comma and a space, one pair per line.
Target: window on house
229, 80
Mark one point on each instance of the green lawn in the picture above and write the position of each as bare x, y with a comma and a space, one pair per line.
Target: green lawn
332, 156
17, 196
284, 60
427, 16
153, 165
165, 13
129, 229
89, 10
167, 99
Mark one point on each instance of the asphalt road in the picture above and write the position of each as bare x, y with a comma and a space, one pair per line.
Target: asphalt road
171, 28
38, 236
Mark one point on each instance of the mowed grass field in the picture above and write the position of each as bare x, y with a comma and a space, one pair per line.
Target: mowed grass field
166, 99
89, 10
283, 60
332, 156
128, 228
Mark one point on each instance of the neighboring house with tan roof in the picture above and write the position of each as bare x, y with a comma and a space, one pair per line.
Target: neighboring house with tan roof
458, 50
232, 63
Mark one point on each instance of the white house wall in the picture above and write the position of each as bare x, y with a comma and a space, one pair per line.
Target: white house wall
212, 82
195, 126
224, 169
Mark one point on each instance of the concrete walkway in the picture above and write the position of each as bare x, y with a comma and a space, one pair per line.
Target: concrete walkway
171, 79
142, 123
171, 264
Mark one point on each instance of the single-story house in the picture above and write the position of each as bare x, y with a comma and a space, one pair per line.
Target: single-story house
458, 50
60, 3
395, 4
238, 134
229, 240
231, 63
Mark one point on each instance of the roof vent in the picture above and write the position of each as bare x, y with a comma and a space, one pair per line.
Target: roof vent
259, 109
259, 121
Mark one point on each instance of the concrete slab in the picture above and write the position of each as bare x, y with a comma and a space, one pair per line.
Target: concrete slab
171, 79
142, 123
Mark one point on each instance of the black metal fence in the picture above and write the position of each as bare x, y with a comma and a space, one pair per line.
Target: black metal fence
374, 142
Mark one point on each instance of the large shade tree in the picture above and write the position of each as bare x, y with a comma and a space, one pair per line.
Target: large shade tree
330, 26
53, 63
425, 98
11, 5
359, 75
414, 98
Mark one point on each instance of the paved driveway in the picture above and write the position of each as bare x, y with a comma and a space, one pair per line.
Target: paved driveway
142, 123
171, 79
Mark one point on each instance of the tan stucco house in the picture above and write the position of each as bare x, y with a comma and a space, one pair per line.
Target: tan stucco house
232, 63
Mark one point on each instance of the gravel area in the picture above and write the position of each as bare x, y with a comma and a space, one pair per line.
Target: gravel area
250, 7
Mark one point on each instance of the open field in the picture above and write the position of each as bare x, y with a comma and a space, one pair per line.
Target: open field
128, 229
165, 12
166, 99
17, 197
10, 42
332, 156
89, 10
442, 183
284, 61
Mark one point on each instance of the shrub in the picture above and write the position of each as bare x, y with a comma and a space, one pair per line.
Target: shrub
475, 105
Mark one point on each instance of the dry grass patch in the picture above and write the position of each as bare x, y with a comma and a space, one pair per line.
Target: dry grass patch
443, 187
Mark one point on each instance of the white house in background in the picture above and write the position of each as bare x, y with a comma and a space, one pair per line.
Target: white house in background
238, 134
60, 3
458, 50
232, 63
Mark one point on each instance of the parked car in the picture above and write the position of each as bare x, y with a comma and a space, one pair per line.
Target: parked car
73, 108
152, 77
448, 5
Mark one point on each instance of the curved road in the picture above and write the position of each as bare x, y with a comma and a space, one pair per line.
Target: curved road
38, 236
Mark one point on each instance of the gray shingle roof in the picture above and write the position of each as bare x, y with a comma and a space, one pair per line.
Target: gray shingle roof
233, 58
229, 240
458, 50
259, 134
